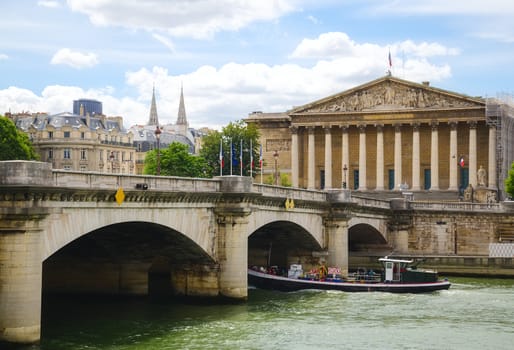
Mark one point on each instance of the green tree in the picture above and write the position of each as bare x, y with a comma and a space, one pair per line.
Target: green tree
14, 144
509, 182
236, 134
175, 161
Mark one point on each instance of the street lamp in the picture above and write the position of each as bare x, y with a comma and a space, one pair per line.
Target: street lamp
111, 158
158, 137
345, 169
275, 155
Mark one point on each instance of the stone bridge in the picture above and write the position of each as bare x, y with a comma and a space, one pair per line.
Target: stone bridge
78, 232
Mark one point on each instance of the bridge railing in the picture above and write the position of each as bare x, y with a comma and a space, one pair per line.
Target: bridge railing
289, 192
371, 202
456, 206
66, 178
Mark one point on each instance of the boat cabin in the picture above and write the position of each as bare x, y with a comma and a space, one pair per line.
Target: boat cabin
398, 270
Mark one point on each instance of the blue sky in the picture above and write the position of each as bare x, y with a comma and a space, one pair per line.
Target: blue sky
233, 57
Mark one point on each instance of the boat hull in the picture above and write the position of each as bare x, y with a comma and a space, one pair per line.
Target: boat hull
267, 281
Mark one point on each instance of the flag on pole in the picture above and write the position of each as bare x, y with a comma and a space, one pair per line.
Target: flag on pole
221, 157
231, 156
260, 161
241, 156
461, 162
251, 158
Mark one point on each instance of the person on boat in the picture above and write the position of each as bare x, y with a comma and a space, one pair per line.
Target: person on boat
322, 272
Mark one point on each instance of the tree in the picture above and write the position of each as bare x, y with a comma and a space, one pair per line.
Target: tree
175, 161
238, 141
14, 144
509, 182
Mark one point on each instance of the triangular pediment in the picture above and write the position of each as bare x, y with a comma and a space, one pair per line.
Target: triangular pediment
389, 94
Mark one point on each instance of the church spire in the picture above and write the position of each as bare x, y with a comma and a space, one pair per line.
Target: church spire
154, 119
181, 117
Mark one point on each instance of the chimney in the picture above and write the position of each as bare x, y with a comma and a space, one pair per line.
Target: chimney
426, 83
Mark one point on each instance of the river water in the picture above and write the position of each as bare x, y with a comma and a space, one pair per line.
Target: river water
473, 314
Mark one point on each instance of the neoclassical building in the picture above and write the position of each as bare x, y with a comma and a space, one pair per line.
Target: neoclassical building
387, 135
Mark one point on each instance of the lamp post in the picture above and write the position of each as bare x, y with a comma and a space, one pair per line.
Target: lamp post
275, 155
111, 158
345, 169
158, 137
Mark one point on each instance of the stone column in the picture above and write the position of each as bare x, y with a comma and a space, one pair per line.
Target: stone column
294, 156
362, 158
311, 175
491, 177
473, 154
415, 158
454, 186
434, 159
328, 158
233, 252
345, 157
380, 158
20, 279
397, 156
337, 233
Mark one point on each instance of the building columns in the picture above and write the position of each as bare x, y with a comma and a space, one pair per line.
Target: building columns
328, 158
362, 158
397, 156
311, 175
380, 158
294, 157
415, 158
345, 156
434, 159
473, 154
453, 158
492, 158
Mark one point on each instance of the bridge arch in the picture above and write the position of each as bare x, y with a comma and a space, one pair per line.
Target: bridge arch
366, 237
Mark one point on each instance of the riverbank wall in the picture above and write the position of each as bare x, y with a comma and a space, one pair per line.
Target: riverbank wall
473, 266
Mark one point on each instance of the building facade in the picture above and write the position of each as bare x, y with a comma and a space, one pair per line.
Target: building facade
81, 143
387, 135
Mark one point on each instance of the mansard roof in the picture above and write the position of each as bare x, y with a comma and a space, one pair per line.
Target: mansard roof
389, 94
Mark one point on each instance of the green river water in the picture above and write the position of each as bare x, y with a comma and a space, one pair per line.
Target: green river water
473, 314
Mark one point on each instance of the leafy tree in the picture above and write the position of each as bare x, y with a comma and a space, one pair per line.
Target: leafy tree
175, 161
509, 182
236, 134
14, 144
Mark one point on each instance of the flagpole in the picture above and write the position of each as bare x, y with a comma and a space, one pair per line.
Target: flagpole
251, 159
241, 157
260, 161
221, 156
231, 156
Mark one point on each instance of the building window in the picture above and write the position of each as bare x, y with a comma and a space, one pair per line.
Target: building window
67, 167
67, 153
50, 134
101, 154
82, 135
50, 153
66, 134
83, 154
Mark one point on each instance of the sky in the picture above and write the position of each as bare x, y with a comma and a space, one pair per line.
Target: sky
233, 57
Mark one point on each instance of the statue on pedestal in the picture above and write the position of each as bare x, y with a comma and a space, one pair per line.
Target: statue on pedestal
481, 177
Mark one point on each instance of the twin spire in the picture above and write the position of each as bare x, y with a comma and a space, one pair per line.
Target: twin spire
181, 117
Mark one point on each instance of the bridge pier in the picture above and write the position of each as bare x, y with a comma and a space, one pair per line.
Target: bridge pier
20, 281
337, 234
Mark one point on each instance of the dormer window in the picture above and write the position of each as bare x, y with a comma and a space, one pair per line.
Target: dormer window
66, 134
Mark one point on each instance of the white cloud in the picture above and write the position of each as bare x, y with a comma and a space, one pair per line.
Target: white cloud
3, 56
74, 59
165, 41
48, 3
214, 96
184, 18
444, 7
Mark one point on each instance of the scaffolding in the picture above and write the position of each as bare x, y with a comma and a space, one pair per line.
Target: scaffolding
499, 113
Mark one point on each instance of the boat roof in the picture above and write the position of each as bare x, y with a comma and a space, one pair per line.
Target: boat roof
386, 259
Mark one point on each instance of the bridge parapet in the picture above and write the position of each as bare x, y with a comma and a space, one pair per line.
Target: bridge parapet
289, 192
457, 206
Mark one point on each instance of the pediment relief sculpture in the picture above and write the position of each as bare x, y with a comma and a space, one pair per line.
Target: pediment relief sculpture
390, 96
